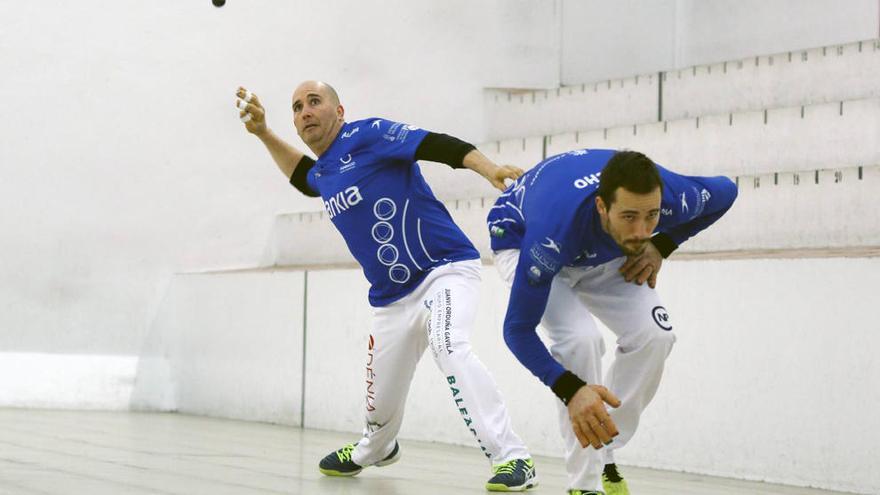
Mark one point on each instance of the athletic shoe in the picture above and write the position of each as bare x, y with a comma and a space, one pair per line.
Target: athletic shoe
581, 492
339, 463
513, 476
613, 482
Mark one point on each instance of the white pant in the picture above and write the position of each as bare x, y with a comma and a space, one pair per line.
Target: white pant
439, 314
644, 339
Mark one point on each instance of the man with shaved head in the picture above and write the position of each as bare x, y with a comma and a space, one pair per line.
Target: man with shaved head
424, 273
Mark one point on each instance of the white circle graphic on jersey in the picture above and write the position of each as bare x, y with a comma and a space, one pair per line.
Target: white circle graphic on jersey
382, 232
387, 254
384, 208
398, 273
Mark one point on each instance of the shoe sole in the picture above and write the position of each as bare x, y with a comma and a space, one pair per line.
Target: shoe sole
390, 460
383, 462
498, 487
331, 472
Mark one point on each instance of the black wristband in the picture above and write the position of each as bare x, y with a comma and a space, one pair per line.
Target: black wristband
443, 149
566, 386
664, 244
298, 177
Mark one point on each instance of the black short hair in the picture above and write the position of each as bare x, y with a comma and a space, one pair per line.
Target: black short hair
630, 170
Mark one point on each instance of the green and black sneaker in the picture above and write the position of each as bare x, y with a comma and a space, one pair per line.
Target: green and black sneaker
339, 463
513, 476
612, 482
582, 492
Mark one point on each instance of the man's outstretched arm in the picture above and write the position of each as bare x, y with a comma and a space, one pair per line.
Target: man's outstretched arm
456, 153
253, 115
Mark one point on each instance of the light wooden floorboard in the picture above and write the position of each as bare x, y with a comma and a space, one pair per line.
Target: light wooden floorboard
96, 453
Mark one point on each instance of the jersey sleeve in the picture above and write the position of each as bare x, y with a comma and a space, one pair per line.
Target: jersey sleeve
395, 140
540, 259
696, 202
303, 177
442, 148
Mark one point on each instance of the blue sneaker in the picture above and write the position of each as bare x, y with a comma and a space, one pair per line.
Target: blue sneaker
513, 476
339, 463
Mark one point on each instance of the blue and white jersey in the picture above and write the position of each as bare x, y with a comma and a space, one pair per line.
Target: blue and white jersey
550, 215
376, 197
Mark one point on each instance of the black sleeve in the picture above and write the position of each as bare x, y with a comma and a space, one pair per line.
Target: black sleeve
566, 386
444, 149
298, 178
664, 244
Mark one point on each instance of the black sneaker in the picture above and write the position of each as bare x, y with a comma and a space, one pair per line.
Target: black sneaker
339, 463
513, 476
581, 492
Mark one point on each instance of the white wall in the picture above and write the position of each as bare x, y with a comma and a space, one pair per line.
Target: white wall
612, 39
123, 161
226, 344
715, 30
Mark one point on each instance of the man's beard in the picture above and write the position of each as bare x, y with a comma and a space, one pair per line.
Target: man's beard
629, 248
632, 248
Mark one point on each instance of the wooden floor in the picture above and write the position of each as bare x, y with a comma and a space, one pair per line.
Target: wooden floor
96, 453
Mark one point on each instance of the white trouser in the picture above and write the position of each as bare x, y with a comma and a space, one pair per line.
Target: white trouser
439, 314
644, 339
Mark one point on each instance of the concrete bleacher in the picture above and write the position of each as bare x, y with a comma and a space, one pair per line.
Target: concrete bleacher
804, 77
790, 79
736, 143
793, 160
587, 106
794, 210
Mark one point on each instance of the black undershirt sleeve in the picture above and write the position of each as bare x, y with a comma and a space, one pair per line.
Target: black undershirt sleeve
443, 149
664, 244
298, 178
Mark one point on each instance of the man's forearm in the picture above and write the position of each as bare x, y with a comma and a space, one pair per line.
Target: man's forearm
285, 155
478, 162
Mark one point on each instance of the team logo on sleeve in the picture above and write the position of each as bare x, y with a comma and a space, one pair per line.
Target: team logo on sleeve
661, 318
551, 244
544, 263
398, 132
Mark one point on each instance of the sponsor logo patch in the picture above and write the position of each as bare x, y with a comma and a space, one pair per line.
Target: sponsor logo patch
551, 244
661, 318
371, 376
465, 415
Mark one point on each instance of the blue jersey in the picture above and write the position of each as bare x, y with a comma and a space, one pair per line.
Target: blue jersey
550, 215
376, 197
